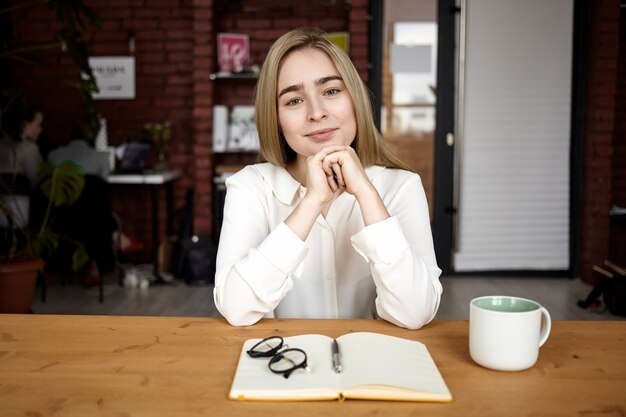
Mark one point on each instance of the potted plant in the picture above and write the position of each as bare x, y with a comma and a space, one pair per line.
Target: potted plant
61, 184
24, 258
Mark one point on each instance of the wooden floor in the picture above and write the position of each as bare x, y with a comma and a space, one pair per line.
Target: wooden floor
558, 295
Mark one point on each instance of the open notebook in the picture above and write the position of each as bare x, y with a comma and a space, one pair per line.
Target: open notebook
375, 367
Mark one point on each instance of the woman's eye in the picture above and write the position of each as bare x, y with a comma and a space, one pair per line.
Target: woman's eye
332, 91
293, 102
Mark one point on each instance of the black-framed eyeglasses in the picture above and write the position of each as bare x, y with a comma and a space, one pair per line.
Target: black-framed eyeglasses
284, 360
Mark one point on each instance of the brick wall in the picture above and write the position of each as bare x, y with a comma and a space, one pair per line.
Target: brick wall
617, 241
175, 54
602, 59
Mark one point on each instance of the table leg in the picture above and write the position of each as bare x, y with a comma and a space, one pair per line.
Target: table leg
169, 201
155, 236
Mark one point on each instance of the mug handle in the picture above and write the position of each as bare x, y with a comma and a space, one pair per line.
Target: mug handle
546, 326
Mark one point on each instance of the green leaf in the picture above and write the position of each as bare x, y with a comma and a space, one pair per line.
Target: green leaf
79, 257
62, 185
46, 245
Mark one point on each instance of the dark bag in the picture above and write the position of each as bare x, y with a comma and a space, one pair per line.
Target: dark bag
198, 260
194, 255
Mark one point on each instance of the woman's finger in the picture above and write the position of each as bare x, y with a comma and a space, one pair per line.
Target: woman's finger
332, 182
338, 175
326, 166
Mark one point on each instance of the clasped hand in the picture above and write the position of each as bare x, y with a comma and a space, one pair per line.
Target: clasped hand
336, 169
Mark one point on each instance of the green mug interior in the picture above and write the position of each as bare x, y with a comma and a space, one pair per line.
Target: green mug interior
505, 304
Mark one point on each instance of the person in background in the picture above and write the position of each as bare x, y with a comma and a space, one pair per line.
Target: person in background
99, 227
81, 151
332, 225
19, 154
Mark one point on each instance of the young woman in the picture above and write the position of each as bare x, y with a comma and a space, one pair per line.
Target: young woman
332, 225
20, 154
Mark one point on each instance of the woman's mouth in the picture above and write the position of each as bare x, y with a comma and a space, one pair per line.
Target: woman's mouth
322, 134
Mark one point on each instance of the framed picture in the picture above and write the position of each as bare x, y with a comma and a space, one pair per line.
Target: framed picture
115, 76
233, 51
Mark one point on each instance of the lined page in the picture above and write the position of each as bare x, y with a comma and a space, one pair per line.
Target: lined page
378, 359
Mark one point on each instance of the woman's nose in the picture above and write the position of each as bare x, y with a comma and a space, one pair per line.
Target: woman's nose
315, 109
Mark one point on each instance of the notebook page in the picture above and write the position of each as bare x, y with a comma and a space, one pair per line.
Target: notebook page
377, 359
253, 379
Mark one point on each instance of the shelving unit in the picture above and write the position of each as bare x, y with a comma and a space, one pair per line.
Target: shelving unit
233, 76
232, 89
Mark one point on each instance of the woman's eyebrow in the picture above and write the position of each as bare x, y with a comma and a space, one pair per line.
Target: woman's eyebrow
324, 80
297, 87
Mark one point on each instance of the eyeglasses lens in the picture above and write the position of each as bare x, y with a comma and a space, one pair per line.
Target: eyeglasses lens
269, 345
287, 360
266, 347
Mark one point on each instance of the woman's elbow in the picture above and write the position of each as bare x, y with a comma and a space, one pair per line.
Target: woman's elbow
410, 317
412, 321
241, 320
232, 312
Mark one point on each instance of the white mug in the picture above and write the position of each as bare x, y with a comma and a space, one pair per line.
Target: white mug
506, 332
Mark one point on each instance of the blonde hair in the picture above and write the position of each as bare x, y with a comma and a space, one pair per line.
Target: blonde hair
368, 143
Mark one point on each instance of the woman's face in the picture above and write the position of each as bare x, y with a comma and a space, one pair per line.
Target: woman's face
32, 129
315, 109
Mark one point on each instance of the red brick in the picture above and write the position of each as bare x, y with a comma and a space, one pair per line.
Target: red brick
170, 102
202, 112
179, 80
159, 69
202, 88
152, 57
107, 13
140, 25
204, 50
202, 3
178, 45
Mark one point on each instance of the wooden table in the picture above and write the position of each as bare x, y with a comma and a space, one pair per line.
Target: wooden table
164, 366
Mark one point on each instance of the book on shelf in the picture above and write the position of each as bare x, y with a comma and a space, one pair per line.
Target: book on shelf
374, 367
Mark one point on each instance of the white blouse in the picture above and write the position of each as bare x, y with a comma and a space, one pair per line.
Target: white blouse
342, 270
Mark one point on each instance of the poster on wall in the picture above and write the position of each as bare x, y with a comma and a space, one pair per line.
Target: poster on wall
341, 39
233, 51
115, 77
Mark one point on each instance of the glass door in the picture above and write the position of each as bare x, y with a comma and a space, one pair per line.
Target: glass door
413, 83
409, 84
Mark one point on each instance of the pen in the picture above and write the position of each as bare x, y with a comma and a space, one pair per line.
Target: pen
336, 356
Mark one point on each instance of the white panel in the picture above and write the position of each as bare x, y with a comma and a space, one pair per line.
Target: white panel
220, 128
514, 190
411, 58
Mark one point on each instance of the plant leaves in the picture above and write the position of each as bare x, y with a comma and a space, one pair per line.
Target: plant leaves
79, 257
62, 184
46, 245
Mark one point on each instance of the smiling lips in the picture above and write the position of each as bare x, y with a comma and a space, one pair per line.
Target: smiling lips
322, 134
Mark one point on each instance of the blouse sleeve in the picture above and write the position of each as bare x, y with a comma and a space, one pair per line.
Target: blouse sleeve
254, 264
401, 256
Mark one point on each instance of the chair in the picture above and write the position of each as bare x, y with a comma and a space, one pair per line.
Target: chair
88, 221
14, 197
